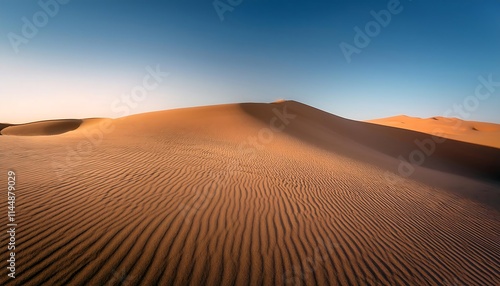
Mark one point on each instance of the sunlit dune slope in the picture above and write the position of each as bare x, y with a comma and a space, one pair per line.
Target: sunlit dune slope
481, 133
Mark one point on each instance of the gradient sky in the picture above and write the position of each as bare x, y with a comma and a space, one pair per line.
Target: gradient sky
89, 53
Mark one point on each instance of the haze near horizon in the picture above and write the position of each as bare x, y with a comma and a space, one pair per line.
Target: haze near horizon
356, 59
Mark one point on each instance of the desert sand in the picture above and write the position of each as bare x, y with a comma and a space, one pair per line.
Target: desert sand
252, 194
481, 133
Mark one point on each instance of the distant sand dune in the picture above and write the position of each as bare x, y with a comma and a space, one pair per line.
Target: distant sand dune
481, 133
49, 127
213, 196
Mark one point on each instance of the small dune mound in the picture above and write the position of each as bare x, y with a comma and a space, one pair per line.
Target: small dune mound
42, 128
3, 126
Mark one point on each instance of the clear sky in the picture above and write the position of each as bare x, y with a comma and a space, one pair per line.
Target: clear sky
84, 55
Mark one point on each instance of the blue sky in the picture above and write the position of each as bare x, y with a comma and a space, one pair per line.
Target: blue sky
86, 55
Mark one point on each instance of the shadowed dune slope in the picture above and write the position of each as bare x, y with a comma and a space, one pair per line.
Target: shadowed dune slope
337, 134
2, 126
249, 194
49, 127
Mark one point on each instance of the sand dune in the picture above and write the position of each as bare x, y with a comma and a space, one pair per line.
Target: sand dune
250, 194
481, 133
48, 127
337, 134
3, 125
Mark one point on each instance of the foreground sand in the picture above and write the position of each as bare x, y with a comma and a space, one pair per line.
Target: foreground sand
215, 196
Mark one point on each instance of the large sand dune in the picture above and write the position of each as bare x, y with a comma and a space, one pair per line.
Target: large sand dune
250, 194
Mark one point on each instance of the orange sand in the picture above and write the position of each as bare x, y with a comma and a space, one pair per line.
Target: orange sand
220, 195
